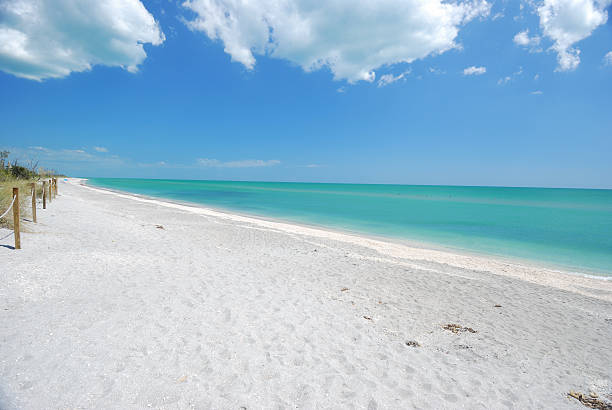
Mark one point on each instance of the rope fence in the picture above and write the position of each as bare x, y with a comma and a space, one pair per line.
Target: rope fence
9, 208
49, 191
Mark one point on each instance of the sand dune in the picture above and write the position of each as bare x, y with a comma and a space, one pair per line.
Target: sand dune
123, 302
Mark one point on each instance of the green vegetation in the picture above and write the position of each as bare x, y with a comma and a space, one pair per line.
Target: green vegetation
14, 175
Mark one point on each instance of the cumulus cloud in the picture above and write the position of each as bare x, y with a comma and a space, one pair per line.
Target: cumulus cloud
473, 70
522, 39
608, 58
50, 39
247, 163
100, 149
566, 22
351, 38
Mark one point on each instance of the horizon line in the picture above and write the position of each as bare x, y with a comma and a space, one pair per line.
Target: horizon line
354, 183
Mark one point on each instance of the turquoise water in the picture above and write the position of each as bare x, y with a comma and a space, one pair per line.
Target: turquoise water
569, 228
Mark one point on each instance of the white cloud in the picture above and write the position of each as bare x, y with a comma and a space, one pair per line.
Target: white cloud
62, 157
538, 92
566, 22
518, 72
473, 70
436, 71
248, 163
504, 80
608, 58
509, 78
498, 16
351, 38
522, 39
39, 148
50, 39
387, 79
100, 149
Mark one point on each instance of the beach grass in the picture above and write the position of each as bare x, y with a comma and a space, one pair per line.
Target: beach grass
25, 199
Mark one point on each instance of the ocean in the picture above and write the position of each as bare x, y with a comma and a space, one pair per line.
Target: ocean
566, 228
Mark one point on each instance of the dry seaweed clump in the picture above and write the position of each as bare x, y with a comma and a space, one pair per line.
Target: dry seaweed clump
591, 401
457, 328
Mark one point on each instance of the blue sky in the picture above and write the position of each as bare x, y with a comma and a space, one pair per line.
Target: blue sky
464, 93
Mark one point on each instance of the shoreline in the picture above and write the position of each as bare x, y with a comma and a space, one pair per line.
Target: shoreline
116, 301
522, 269
605, 275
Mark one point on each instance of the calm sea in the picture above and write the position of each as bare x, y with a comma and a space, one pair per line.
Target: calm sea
568, 228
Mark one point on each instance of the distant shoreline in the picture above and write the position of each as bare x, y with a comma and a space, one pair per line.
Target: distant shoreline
420, 243
525, 270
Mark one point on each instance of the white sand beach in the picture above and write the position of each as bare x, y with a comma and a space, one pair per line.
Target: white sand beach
118, 302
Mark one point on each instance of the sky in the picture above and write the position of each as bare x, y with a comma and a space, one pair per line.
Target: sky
475, 92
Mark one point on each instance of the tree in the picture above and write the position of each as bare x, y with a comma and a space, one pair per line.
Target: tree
20, 172
3, 156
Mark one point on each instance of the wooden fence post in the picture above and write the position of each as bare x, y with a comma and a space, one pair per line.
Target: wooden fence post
44, 194
50, 192
33, 184
16, 218
55, 186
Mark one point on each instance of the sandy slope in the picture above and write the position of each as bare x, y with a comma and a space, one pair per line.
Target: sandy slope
102, 309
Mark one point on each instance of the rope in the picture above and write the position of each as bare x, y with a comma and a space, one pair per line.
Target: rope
9, 208
3, 238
